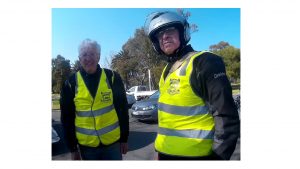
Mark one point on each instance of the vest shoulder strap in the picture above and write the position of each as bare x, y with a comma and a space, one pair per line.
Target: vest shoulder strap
179, 62
110, 76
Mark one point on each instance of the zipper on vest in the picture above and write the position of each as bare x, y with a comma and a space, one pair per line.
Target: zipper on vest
95, 121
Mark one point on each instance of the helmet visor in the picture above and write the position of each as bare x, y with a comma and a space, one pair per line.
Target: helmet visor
167, 31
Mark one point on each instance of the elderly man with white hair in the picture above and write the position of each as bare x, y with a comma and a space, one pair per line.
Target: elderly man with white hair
94, 110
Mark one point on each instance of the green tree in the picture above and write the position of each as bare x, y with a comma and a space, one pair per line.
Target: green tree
231, 57
60, 71
186, 15
75, 66
138, 56
123, 64
135, 59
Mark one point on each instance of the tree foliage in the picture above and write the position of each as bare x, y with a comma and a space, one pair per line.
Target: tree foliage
75, 66
186, 15
137, 56
231, 57
61, 70
135, 59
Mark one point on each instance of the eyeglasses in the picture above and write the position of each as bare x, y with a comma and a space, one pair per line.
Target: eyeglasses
168, 31
85, 55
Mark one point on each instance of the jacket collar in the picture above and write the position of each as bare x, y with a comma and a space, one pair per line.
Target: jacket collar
179, 53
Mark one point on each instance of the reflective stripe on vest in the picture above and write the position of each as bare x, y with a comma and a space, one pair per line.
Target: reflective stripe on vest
96, 118
200, 134
98, 132
95, 112
183, 110
186, 128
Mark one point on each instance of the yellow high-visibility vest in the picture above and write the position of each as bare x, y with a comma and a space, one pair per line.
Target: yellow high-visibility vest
96, 118
185, 126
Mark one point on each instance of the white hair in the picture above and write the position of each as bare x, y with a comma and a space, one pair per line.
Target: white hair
89, 43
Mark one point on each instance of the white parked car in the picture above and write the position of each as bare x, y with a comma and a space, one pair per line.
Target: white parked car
140, 92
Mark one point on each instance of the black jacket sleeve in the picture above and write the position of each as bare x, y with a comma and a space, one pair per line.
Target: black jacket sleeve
209, 80
120, 103
67, 108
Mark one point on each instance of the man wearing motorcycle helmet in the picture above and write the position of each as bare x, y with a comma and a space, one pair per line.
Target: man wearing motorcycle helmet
197, 117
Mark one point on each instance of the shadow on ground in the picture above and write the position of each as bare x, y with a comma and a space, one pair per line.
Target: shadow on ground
148, 122
138, 139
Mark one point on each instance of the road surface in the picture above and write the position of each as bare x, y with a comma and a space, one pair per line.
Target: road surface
140, 141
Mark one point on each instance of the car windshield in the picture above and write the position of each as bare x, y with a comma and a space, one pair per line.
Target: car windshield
154, 95
142, 88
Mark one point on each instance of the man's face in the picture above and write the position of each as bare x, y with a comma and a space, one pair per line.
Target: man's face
168, 40
89, 58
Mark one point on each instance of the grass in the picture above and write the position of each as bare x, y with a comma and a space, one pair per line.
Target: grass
236, 91
55, 102
235, 88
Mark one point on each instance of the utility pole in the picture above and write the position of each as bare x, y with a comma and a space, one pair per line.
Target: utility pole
149, 79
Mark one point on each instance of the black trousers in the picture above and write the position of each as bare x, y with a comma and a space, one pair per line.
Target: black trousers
170, 157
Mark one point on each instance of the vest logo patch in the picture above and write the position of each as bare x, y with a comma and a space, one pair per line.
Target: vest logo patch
105, 96
174, 86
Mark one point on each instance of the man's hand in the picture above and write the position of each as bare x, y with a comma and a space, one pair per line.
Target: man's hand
75, 155
123, 148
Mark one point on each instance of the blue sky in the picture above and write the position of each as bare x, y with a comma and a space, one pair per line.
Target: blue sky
112, 27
